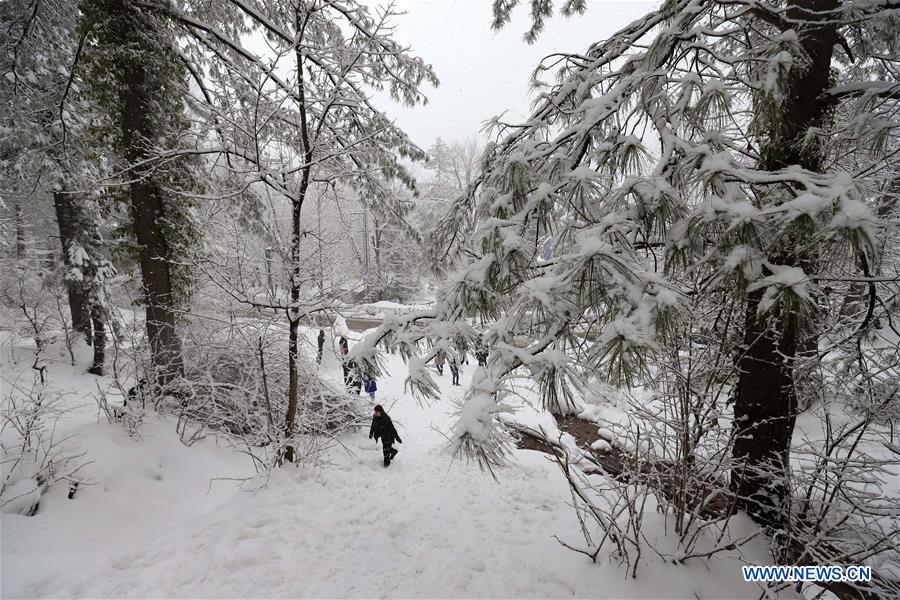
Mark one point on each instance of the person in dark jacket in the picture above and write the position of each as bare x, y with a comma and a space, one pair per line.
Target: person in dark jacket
481, 352
371, 386
345, 349
321, 340
383, 427
454, 369
481, 355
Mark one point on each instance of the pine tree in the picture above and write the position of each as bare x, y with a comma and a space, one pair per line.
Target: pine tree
138, 78
49, 147
727, 149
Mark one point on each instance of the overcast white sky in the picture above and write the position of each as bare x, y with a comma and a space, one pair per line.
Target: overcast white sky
483, 72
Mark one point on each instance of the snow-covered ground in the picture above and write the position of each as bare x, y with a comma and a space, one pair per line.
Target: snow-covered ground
156, 522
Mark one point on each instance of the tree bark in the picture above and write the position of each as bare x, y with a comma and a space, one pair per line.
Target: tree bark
765, 401
376, 245
67, 220
296, 232
99, 341
294, 333
159, 298
140, 125
20, 229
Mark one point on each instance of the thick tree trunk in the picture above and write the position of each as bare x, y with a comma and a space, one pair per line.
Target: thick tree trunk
765, 411
159, 296
765, 401
140, 125
67, 219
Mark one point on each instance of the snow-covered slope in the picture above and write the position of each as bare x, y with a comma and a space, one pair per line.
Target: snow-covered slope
155, 525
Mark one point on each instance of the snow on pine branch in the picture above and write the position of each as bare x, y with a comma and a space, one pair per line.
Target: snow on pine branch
647, 140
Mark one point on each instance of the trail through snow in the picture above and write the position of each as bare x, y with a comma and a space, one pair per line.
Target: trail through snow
424, 527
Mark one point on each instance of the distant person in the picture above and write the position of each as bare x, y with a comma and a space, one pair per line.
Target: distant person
371, 386
383, 427
462, 348
439, 360
321, 340
454, 369
481, 355
345, 363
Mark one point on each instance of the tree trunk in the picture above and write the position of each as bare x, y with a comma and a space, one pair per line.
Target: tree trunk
376, 244
159, 298
140, 125
296, 232
99, 341
765, 405
294, 334
67, 219
20, 229
765, 411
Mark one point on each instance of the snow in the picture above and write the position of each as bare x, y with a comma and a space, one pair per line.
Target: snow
807, 204
740, 210
21, 495
782, 279
583, 173
159, 519
853, 214
382, 309
747, 258
601, 446
476, 413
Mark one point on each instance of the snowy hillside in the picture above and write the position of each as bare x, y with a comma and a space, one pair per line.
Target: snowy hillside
158, 519
624, 278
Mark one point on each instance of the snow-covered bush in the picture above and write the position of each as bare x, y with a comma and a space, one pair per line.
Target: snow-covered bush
31, 301
33, 455
235, 382
845, 511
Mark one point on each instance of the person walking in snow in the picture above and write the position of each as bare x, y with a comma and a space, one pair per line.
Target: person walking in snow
439, 359
345, 349
462, 348
371, 386
454, 368
481, 354
383, 427
321, 340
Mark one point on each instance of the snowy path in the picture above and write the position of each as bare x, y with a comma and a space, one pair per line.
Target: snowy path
421, 528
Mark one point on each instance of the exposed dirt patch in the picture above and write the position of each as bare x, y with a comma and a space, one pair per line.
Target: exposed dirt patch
625, 466
529, 442
585, 434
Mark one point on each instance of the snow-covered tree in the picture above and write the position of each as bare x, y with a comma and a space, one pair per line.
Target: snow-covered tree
136, 76
732, 150
300, 116
453, 166
48, 146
